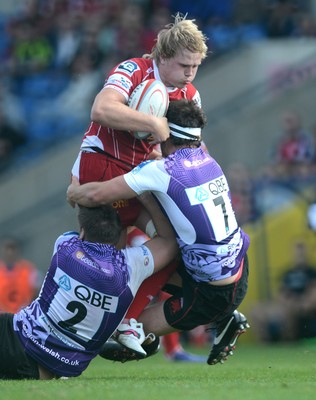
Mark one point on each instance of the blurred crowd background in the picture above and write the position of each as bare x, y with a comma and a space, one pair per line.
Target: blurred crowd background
55, 53
54, 57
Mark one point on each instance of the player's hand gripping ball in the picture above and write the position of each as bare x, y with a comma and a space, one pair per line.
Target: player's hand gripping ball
150, 97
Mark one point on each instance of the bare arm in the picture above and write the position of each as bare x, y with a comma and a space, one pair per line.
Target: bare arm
164, 246
109, 109
97, 193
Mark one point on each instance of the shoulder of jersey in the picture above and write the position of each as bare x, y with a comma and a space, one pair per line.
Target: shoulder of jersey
133, 68
70, 233
150, 97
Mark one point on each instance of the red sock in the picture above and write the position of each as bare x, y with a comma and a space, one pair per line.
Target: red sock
149, 289
171, 343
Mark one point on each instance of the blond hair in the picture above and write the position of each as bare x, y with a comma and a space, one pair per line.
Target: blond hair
181, 34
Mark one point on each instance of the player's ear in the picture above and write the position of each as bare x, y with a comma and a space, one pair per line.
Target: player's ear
81, 236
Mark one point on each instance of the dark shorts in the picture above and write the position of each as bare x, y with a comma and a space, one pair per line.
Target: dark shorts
96, 167
14, 362
200, 303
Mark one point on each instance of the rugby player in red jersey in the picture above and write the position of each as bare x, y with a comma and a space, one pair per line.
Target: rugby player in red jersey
109, 148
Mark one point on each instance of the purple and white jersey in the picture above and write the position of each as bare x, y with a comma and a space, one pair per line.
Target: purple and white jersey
193, 191
85, 295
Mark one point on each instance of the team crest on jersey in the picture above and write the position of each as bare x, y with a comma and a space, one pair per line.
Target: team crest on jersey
129, 67
64, 283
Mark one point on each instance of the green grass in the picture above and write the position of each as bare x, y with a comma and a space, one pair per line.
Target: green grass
253, 373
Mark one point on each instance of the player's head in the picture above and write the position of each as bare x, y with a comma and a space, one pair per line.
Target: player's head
182, 34
99, 224
10, 250
186, 121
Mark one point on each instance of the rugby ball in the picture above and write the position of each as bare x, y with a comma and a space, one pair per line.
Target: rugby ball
150, 97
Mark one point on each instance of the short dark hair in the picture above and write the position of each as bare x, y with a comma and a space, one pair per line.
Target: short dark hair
101, 224
186, 113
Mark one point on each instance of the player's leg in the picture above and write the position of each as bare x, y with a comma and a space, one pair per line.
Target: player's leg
14, 361
231, 324
132, 337
171, 343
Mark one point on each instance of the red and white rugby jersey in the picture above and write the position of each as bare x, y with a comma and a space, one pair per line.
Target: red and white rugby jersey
121, 144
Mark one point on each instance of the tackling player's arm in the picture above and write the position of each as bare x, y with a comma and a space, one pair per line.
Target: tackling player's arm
163, 246
110, 109
93, 194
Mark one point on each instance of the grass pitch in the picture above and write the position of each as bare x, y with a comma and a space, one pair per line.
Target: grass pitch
254, 372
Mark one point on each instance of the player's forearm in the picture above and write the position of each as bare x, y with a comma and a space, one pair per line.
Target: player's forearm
93, 194
163, 246
116, 115
87, 195
161, 222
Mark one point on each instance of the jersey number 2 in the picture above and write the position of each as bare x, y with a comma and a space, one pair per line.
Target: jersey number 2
81, 312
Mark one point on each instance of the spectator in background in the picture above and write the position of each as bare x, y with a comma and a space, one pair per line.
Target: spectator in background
159, 19
293, 153
242, 192
31, 52
19, 278
130, 32
313, 165
244, 11
281, 18
89, 45
107, 34
248, 19
11, 139
11, 107
291, 315
222, 35
66, 39
216, 19
12, 127
306, 27
69, 110
201, 10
